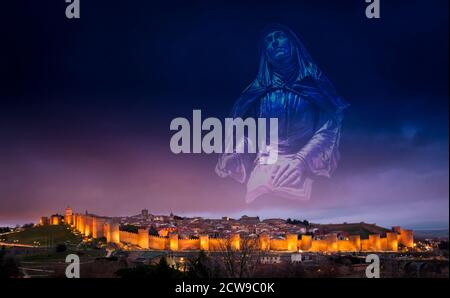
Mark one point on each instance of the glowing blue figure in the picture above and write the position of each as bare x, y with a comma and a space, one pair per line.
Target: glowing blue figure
289, 86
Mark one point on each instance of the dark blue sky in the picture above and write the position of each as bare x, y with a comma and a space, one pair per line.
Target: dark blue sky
86, 104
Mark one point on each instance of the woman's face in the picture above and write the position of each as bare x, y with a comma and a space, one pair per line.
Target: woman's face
278, 46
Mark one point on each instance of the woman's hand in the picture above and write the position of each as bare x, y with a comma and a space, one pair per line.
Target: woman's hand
230, 165
289, 173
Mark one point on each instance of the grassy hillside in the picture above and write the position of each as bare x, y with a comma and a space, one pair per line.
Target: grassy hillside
45, 235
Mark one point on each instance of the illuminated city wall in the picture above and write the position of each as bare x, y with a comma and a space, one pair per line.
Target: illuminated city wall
68, 216
74, 221
88, 226
236, 242
383, 244
278, 244
98, 227
112, 232
356, 242
306, 242
345, 245
142, 238
392, 242
292, 242
332, 242
217, 244
81, 223
54, 220
128, 237
374, 242
365, 245
406, 238
189, 244
319, 246
173, 242
43, 221
204, 242
157, 242
107, 232
115, 233
264, 242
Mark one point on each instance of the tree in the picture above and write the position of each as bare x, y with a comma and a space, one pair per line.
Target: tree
9, 266
240, 263
5, 229
61, 248
203, 266
298, 222
159, 271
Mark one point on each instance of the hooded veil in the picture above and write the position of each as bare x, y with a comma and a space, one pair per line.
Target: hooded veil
309, 79
321, 153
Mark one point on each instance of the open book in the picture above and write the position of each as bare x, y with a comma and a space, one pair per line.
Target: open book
261, 183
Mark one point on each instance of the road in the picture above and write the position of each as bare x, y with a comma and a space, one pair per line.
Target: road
16, 245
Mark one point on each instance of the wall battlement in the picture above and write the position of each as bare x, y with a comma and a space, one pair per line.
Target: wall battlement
97, 227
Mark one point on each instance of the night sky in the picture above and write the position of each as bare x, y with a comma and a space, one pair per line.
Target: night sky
86, 106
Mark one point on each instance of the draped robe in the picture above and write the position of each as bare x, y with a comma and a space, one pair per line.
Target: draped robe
309, 116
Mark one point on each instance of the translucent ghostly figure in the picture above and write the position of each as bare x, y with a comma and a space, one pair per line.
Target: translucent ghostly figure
289, 86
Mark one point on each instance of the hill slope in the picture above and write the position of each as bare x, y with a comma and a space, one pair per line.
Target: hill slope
362, 229
45, 235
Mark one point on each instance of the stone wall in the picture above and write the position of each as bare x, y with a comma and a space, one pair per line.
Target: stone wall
97, 227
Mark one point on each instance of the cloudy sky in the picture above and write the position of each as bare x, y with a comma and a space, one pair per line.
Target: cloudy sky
86, 106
